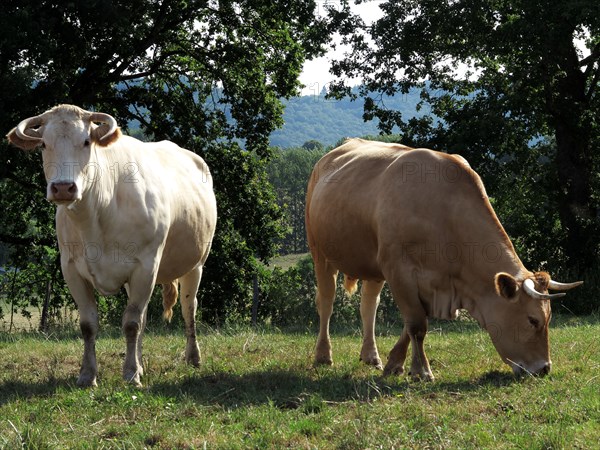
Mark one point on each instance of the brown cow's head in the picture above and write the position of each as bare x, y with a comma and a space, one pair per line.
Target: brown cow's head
69, 137
518, 318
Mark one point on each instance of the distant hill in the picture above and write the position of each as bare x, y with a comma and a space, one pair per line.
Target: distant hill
327, 121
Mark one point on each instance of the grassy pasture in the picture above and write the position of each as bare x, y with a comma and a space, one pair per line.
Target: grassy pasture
258, 389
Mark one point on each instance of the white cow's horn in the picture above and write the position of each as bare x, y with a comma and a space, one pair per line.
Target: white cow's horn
107, 119
529, 288
27, 125
556, 286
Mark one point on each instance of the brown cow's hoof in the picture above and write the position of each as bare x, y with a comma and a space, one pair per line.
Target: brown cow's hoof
425, 376
375, 362
393, 370
323, 361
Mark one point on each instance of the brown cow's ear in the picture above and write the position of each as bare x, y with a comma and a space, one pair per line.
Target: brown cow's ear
99, 132
506, 285
24, 144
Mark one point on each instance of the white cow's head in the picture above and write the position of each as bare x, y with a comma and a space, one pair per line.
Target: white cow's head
69, 137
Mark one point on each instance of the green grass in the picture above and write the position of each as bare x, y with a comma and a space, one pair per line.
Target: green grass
258, 389
286, 261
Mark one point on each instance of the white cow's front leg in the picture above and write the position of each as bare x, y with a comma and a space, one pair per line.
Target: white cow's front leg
83, 294
88, 323
134, 321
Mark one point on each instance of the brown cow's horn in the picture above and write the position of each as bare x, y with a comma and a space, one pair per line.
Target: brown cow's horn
107, 119
29, 124
556, 286
529, 288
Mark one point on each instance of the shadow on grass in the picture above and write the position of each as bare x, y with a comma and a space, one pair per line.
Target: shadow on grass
286, 389
290, 389
14, 389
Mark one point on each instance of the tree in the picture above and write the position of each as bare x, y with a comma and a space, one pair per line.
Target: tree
289, 172
204, 74
501, 76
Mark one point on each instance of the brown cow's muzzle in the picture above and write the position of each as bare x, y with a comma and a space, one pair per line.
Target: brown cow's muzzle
62, 192
541, 371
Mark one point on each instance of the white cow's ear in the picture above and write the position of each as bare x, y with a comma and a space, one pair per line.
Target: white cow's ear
24, 144
100, 136
506, 286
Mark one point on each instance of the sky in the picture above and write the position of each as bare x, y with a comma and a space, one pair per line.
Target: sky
315, 74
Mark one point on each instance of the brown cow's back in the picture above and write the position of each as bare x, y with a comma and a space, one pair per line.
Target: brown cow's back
368, 202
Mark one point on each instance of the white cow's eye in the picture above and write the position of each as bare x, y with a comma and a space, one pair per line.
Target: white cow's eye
86, 143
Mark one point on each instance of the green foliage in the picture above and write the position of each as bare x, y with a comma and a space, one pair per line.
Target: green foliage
288, 172
288, 300
288, 296
206, 76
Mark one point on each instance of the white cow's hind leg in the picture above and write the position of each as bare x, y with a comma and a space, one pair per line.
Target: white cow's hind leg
369, 300
189, 303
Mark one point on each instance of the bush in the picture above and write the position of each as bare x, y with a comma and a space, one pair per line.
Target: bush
288, 300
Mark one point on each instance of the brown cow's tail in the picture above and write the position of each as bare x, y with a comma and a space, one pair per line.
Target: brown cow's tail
350, 285
169, 294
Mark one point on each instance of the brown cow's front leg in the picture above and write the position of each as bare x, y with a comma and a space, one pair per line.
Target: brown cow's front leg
395, 363
403, 285
419, 368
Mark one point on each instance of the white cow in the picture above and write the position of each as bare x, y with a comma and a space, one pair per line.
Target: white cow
129, 214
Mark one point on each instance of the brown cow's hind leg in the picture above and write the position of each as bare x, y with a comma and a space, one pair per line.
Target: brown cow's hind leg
369, 301
326, 278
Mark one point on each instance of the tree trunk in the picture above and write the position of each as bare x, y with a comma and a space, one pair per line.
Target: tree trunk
44, 318
569, 109
578, 213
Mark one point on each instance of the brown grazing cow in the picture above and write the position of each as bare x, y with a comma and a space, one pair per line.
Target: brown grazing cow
421, 220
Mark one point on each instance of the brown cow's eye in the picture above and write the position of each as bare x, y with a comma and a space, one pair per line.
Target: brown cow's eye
43, 146
534, 322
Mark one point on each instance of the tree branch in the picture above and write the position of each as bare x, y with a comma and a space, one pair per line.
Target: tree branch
591, 58
593, 85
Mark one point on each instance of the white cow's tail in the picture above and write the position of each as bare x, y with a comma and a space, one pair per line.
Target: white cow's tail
350, 285
169, 294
